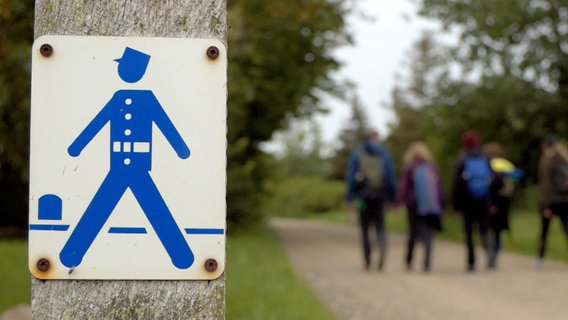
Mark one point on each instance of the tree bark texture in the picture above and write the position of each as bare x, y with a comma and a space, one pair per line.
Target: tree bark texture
94, 299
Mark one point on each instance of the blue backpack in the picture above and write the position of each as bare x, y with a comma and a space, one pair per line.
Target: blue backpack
426, 189
477, 175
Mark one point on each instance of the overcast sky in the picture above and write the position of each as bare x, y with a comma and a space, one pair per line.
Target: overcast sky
373, 62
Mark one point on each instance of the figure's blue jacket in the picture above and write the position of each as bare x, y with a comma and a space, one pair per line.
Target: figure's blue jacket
353, 167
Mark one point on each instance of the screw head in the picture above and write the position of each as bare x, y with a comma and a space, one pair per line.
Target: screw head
210, 265
46, 50
212, 52
43, 264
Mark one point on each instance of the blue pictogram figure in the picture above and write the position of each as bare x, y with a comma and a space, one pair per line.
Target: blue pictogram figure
131, 114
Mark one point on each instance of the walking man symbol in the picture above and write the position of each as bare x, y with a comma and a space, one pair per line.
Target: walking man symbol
131, 114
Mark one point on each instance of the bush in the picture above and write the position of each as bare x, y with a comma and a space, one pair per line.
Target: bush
526, 198
297, 196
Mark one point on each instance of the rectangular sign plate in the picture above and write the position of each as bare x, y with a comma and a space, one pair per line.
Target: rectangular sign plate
127, 158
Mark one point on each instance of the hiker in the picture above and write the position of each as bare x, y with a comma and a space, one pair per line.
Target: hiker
370, 185
502, 188
470, 195
553, 189
420, 190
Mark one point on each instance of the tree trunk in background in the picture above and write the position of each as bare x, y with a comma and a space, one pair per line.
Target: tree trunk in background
94, 299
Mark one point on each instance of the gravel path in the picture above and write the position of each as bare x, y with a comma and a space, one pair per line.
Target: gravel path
328, 256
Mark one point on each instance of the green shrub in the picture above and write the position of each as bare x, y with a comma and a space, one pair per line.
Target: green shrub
526, 198
297, 196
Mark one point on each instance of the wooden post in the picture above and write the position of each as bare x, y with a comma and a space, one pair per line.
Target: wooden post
97, 299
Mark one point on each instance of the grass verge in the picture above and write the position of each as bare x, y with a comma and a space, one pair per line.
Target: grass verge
260, 282
262, 285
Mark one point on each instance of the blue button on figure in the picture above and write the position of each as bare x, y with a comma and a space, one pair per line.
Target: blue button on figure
131, 114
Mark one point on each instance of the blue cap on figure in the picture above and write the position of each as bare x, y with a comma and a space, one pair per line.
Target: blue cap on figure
132, 65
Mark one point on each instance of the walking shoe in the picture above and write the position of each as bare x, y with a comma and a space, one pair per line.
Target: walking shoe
492, 261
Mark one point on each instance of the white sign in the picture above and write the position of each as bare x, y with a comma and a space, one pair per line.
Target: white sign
127, 159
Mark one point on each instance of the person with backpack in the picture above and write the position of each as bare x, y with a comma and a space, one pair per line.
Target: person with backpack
420, 189
370, 185
470, 195
553, 189
501, 192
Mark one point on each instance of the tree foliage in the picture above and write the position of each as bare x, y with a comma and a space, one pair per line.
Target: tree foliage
16, 35
350, 137
413, 100
525, 38
511, 80
303, 151
280, 57
522, 39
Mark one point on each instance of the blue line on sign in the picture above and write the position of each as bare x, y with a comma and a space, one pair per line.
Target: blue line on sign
49, 227
127, 230
204, 231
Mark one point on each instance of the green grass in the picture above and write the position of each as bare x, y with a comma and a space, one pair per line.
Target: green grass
525, 232
260, 282
262, 285
523, 237
15, 281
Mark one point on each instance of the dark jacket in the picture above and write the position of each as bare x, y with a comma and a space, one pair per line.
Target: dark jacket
353, 167
499, 219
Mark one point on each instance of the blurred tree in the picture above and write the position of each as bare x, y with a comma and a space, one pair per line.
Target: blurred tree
412, 101
514, 73
303, 150
299, 182
408, 126
523, 39
16, 35
350, 136
280, 58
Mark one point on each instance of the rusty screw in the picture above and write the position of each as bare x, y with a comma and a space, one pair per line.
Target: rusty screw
211, 265
46, 50
43, 264
213, 52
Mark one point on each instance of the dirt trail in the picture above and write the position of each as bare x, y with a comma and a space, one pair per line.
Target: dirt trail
328, 256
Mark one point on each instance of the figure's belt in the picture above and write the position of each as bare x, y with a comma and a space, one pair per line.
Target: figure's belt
130, 146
